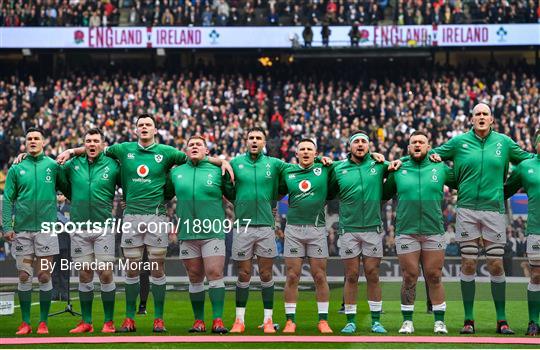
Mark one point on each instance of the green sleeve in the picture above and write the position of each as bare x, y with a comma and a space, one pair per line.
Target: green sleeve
517, 155
169, 192
179, 157
513, 183
389, 187
333, 188
63, 180
114, 151
282, 188
227, 187
450, 178
10, 195
386, 164
282, 166
446, 150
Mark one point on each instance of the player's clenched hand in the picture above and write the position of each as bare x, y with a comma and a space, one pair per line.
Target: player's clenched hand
379, 158
226, 167
435, 158
20, 158
326, 161
64, 156
394, 165
9, 236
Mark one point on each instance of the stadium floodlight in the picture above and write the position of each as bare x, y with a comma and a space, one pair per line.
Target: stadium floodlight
161, 52
26, 52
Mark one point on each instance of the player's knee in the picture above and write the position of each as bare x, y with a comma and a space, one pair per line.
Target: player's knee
265, 275
495, 267
433, 276
468, 266
244, 275
410, 277
157, 253
469, 251
352, 277
372, 274
44, 277
157, 273
86, 276
24, 277
293, 276
106, 277
319, 277
535, 277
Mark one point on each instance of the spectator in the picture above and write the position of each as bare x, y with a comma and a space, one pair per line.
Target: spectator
95, 20
325, 34
222, 12
207, 17
307, 35
167, 19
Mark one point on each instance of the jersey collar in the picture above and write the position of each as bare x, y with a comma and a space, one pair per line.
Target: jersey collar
141, 147
367, 158
479, 138
248, 156
36, 158
97, 159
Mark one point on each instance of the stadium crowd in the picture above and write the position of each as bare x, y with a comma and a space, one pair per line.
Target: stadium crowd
289, 104
262, 12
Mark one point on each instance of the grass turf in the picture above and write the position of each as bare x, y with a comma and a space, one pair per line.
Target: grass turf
179, 317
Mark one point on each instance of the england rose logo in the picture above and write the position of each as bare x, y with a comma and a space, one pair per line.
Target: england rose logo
78, 36
364, 35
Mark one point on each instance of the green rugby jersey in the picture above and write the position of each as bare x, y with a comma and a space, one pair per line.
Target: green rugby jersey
527, 175
91, 187
481, 167
307, 189
199, 189
420, 192
359, 187
144, 174
256, 186
30, 193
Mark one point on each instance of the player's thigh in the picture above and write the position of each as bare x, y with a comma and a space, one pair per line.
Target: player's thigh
82, 245
195, 269
156, 232
350, 245
317, 242
133, 230
243, 241
265, 245
468, 224
372, 244
46, 244
104, 247
494, 227
294, 246
406, 244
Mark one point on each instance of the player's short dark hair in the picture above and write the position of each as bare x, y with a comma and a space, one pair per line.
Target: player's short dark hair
256, 129
94, 131
419, 133
307, 140
33, 129
146, 115
196, 137
358, 132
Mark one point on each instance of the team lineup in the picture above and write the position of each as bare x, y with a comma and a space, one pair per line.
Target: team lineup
151, 174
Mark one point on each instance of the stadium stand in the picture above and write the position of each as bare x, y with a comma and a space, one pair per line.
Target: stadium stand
263, 12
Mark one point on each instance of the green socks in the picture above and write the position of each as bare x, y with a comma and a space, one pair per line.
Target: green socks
533, 300
498, 291
242, 293
439, 311
108, 292
216, 292
268, 294
468, 290
132, 286
197, 295
407, 312
159, 287
86, 299
375, 307
350, 313
290, 311
45, 297
25, 300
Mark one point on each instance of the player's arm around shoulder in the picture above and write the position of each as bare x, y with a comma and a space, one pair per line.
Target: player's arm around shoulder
516, 154
514, 181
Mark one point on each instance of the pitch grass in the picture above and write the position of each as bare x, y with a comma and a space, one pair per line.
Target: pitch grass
179, 317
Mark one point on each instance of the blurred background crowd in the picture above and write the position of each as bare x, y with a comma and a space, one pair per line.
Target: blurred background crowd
38, 13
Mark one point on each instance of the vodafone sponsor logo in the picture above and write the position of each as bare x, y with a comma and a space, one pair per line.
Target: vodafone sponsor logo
304, 186
142, 170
